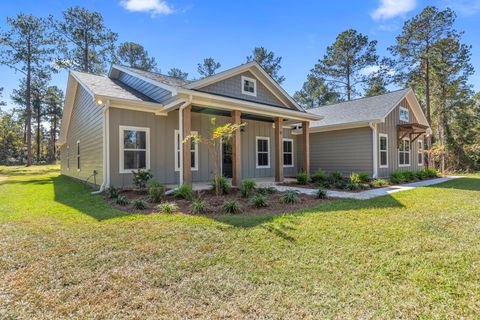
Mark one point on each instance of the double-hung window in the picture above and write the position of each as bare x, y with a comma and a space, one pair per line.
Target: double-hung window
263, 152
193, 151
287, 152
78, 155
383, 150
249, 86
404, 153
420, 152
134, 149
404, 114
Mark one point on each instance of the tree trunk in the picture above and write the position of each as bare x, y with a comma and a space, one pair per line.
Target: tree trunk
431, 163
28, 119
348, 84
39, 123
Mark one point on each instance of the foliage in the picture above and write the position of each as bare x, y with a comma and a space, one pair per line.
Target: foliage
11, 138
259, 201
168, 207
430, 173
156, 191
335, 177
231, 206
321, 193
361, 177
319, 176
178, 74
268, 61
377, 183
122, 200
247, 187
139, 204
290, 197
302, 177
198, 206
408, 176
184, 191
316, 92
221, 184
208, 67
266, 190
112, 192
355, 186
53, 112
141, 178
134, 55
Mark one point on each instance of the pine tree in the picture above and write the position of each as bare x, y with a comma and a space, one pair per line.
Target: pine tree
315, 92
178, 74
54, 107
2, 103
268, 61
134, 55
208, 67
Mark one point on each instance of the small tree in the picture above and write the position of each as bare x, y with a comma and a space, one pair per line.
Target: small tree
213, 141
208, 67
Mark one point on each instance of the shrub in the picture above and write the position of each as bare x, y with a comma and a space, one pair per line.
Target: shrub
379, 183
355, 178
198, 206
431, 173
168, 207
141, 177
139, 204
421, 175
259, 201
319, 176
290, 197
397, 177
247, 187
340, 184
156, 191
302, 177
353, 186
267, 190
232, 206
112, 192
321, 193
122, 200
185, 191
409, 176
223, 185
335, 177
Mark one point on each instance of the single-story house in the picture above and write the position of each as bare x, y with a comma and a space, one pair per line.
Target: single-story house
378, 135
134, 119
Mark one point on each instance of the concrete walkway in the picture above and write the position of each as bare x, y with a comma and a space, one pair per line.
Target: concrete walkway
369, 194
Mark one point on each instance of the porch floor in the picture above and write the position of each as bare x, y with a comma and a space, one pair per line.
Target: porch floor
206, 185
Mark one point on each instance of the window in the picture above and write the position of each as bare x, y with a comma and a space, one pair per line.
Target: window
263, 153
404, 153
420, 152
404, 114
249, 86
288, 152
383, 149
193, 151
68, 157
78, 155
134, 149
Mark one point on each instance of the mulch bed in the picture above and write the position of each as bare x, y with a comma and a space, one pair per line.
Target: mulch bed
276, 206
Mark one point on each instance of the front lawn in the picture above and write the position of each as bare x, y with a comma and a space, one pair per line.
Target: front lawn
65, 253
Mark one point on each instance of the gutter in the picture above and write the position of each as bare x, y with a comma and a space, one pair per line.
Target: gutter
373, 125
106, 151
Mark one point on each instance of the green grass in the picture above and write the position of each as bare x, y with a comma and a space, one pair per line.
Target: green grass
66, 254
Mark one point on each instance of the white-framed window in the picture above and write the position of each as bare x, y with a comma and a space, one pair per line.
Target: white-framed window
288, 153
420, 152
383, 150
193, 151
249, 86
404, 153
262, 147
68, 157
78, 155
134, 148
404, 114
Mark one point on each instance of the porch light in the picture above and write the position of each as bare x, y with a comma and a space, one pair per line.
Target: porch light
99, 102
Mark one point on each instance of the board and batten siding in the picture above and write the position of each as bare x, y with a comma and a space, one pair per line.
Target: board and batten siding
390, 127
232, 87
86, 126
153, 92
162, 147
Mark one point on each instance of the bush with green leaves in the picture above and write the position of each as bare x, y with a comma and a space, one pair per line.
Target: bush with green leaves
319, 177
409, 176
397, 177
377, 183
223, 185
122, 200
360, 177
302, 177
156, 191
247, 187
267, 190
198, 206
112, 192
321, 193
431, 173
353, 186
290, 197
184, 191
141, 178
259, 201
167, 207
139, 204
420, 175
231, 206
335, 177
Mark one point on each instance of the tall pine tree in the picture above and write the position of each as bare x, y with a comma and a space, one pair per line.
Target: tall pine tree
269, 62
134, 55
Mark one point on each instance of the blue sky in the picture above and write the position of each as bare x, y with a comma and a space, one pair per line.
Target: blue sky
180, 33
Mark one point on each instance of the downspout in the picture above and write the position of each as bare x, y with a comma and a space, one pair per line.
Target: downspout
106, 151
375, 149
180, 133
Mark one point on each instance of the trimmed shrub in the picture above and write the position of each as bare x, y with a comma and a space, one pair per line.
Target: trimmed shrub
198, 206
302, 177
168, 207
431, 173
156, 191
409, 176
232, 207
185, 191
420, 175
122, 200
379, 183
290, 197
321, 193
247, 187
112, 193
223, 184
267, 190
259, 201
397, 177
319, 176
141, 178
139, 204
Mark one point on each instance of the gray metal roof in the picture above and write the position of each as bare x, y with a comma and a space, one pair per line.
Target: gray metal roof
358, 110
171, 81
104, 86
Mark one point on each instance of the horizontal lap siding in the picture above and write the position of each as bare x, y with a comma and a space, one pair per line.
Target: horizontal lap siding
86, 125
347, 150
148, 89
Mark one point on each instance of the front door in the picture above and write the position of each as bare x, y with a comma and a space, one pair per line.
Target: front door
227, 158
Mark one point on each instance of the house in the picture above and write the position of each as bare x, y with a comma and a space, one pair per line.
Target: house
134, 119
378, 135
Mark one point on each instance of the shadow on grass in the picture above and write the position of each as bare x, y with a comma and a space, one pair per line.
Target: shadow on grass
472, 184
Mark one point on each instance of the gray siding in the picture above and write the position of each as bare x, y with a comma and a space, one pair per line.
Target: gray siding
148, 89
232, 87
348, 151
390, 127
86, 126
162, 154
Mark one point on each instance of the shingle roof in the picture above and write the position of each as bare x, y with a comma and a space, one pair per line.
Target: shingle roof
359, 110
171, 81
104, 86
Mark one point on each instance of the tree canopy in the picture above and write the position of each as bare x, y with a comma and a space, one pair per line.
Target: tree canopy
269, 62
134, 55
208, 67
178, 74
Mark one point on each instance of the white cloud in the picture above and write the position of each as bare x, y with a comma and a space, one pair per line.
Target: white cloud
392, 8
154, 7
369, 70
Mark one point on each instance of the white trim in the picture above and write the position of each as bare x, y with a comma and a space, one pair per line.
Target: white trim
78, 158
256, 152
177, 151
254, 93
293, 153
420, 151
382, 135
122, 149
400, 114
374, 149
409, 154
